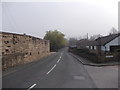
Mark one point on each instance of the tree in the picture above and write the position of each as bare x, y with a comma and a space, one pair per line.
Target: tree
113, 31
72, 41
56, 39
93, 37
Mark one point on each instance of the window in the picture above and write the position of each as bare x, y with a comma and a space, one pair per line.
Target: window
91, 47
95, 47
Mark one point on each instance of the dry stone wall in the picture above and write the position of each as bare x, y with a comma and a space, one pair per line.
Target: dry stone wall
18, 49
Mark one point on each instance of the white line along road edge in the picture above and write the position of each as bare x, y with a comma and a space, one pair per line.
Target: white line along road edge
32, 87
51, 69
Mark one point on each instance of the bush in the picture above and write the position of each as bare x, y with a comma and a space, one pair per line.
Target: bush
83, 50
118, 50
85, 53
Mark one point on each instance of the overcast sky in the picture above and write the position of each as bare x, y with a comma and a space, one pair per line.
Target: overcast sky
74, 19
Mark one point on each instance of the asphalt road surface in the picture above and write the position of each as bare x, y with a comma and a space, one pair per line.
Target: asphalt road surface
60, 70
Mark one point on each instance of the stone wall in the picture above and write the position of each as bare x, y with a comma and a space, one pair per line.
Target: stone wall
18, 49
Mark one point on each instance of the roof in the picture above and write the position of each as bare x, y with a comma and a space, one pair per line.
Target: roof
100, 41
93, 43
72, 46
83, 42
106, 39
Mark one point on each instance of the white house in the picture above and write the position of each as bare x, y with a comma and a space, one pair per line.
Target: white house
109, 43
105, 44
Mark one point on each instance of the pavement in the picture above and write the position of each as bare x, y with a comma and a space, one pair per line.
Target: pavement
59, 70
105, 76
89, 63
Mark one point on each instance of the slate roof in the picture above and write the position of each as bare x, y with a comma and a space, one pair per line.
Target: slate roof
100, 41
93, 43
106, 39
83, 42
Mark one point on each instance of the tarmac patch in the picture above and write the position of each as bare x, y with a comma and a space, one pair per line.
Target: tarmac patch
79, 77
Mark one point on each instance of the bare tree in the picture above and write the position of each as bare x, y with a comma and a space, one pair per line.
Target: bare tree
113, 31
93, 37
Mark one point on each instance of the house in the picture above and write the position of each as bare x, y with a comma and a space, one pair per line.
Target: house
109, 43
102, 44
83, 43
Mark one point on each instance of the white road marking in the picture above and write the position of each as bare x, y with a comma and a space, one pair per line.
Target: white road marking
51, 69
58, 61
55, 64
32, 86
60, 57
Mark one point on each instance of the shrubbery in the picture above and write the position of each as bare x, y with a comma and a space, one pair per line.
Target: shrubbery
85, 53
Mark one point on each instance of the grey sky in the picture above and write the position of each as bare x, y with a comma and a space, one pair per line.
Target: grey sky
74, 19
0, 16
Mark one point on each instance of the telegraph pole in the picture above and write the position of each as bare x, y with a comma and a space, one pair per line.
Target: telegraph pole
87, 36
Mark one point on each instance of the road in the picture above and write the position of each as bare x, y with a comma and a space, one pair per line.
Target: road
60, 70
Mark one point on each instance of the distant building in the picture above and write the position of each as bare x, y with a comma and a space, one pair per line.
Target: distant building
83, 43
72, 46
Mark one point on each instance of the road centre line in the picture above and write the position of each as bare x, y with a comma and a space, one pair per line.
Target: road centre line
51, 69
60, 57
58, 61
54, 65
32, 86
